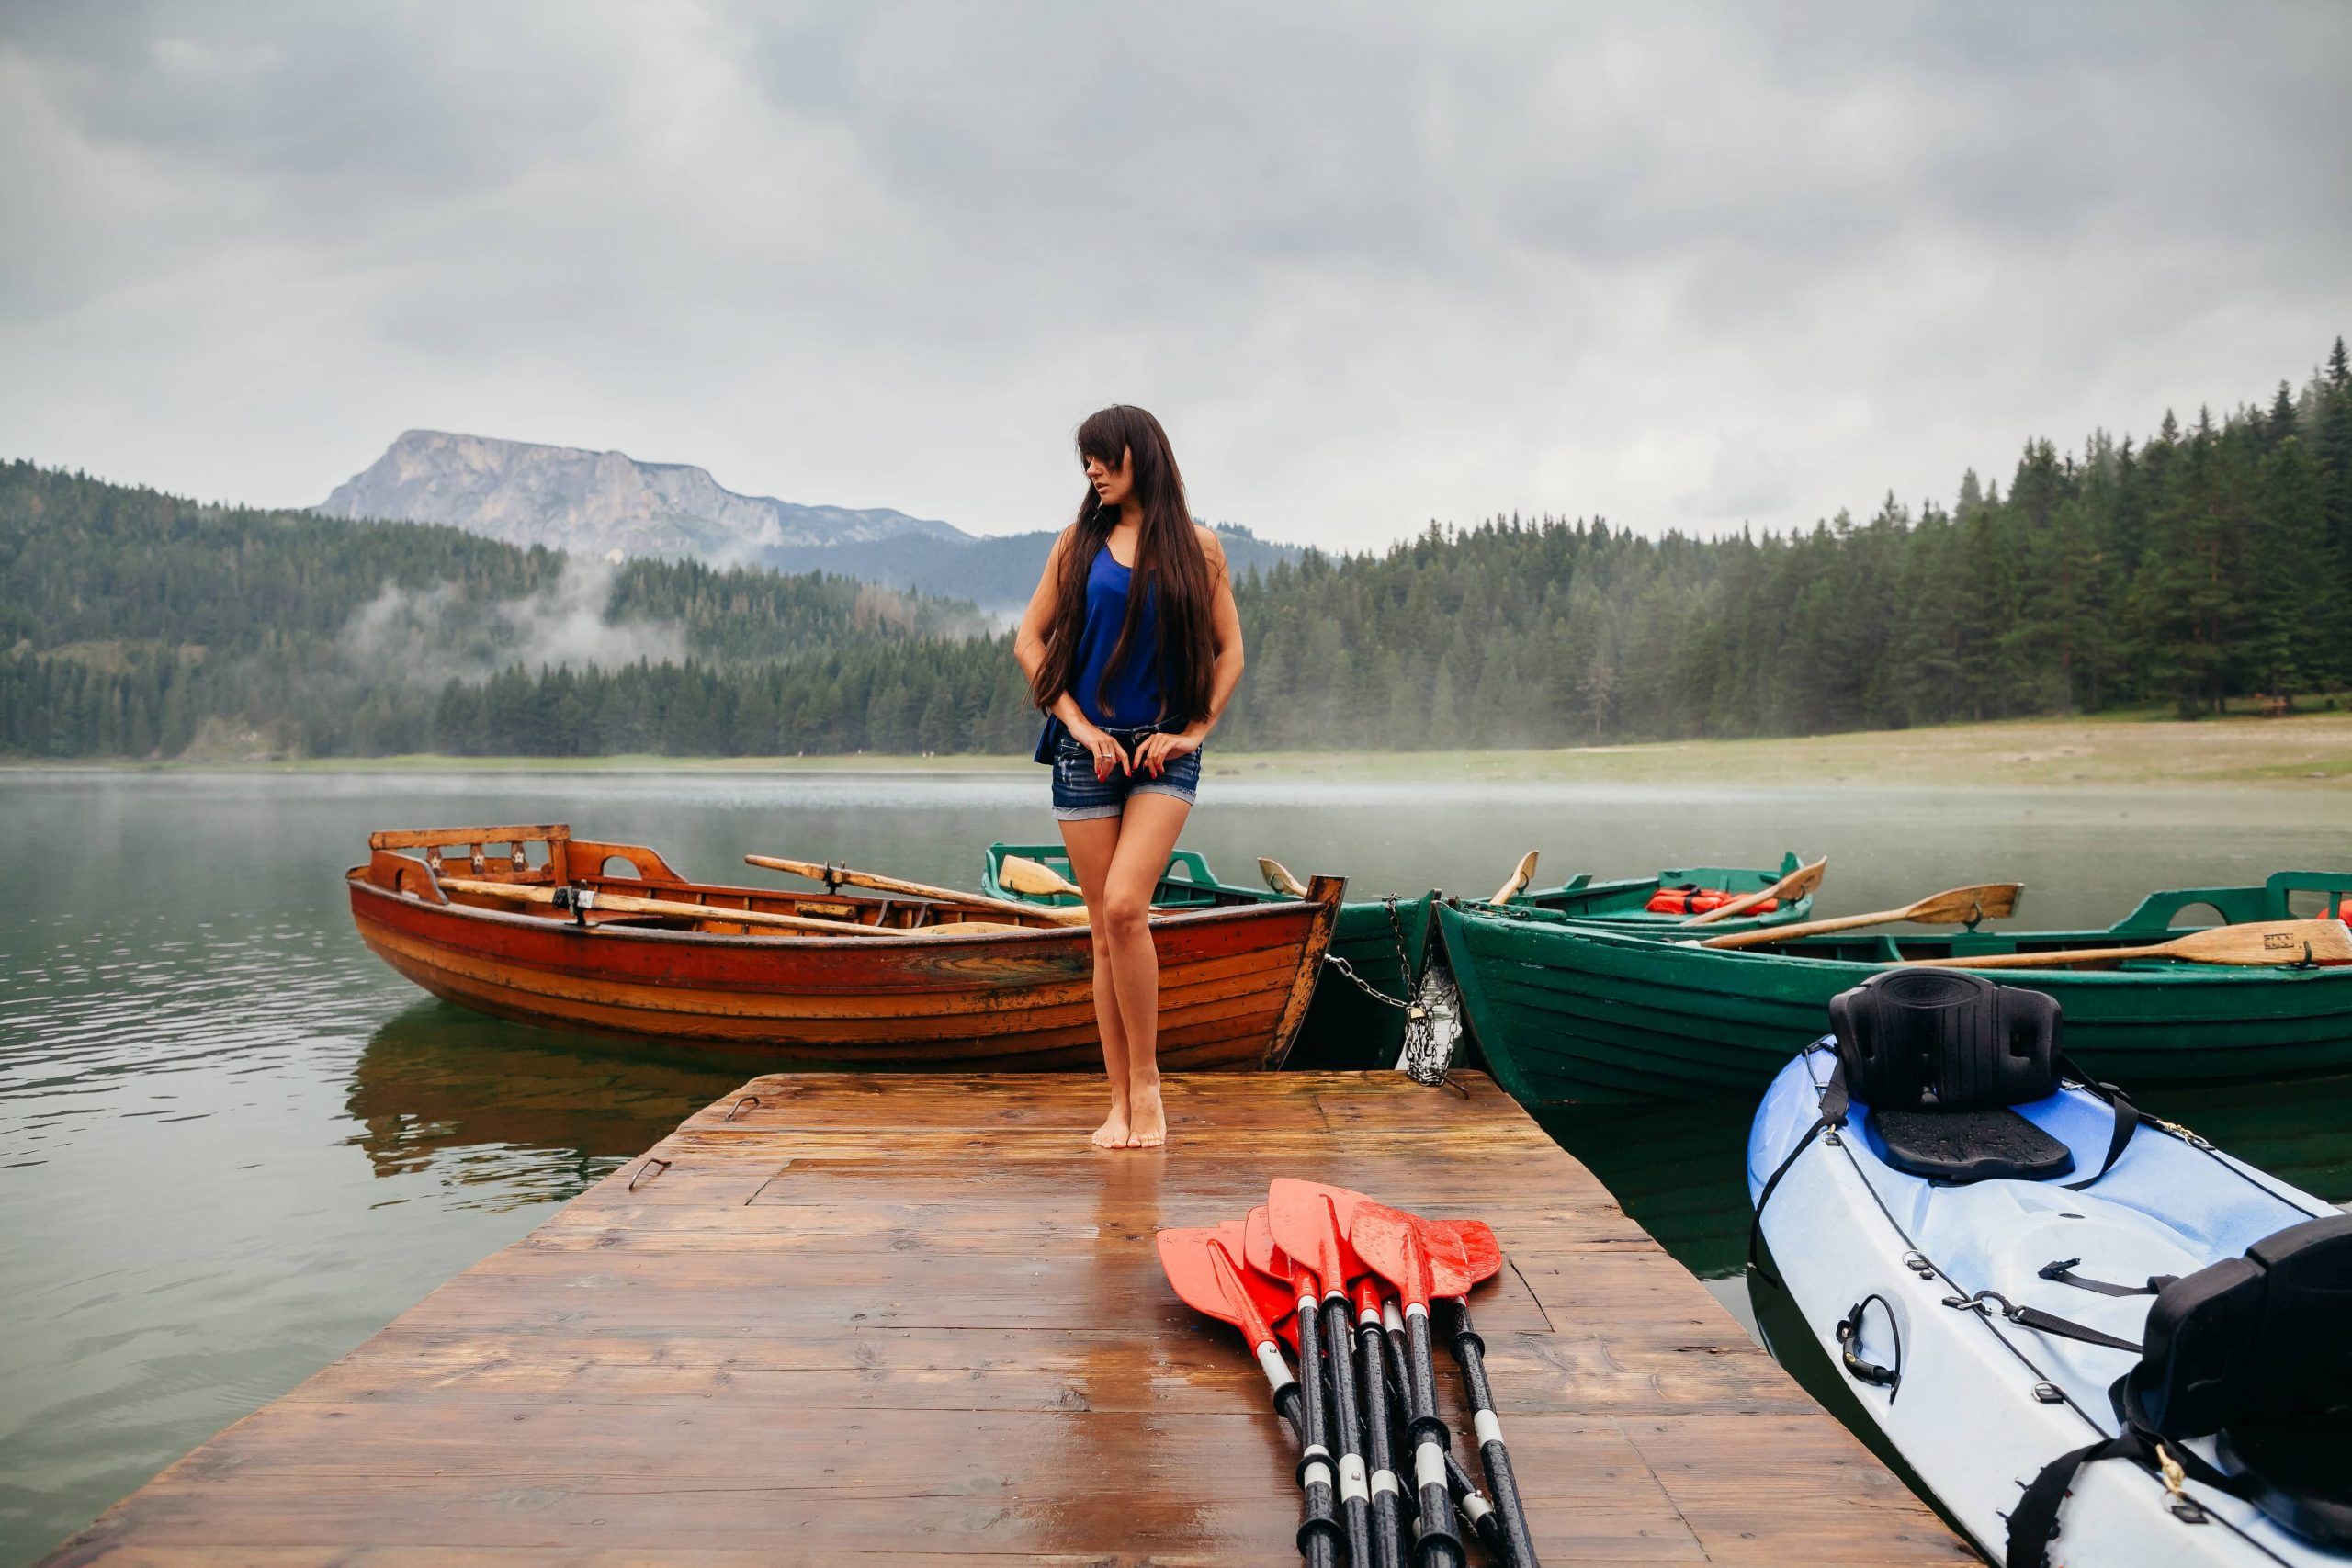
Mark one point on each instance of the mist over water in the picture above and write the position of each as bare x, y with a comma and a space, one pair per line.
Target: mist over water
233, 1144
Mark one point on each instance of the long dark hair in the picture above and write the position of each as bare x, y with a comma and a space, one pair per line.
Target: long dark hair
1170, 567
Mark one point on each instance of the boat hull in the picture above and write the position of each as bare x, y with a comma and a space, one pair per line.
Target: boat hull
1563, 1014
1345, 1029
1234, 985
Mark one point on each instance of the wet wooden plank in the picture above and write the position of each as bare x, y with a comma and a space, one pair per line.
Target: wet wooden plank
906, 1319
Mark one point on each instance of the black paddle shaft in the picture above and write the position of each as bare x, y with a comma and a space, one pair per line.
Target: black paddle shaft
1317, 1545
1355, 1496
1387, 1526
1471, 1352
1466, 1495
1319, 1540
1439, 1547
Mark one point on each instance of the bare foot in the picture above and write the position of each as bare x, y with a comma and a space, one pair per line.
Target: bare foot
1113, 1134
1149, 1120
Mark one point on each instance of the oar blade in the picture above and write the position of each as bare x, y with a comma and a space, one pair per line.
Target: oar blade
1522, 874
1479, 1258
1209, 1277
1310, 1221
1270, 1295
1393, 1245
1278, 877
1966, 905
2267, 943
1033, 877
1187, 1257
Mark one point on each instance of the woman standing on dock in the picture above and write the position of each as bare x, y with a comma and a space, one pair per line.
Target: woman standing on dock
1132, 644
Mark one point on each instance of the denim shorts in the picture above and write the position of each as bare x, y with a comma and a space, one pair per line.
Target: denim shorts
1079, 796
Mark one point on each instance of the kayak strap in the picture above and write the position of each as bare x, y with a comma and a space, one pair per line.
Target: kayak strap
2064, 1273
2127, 1118
2042, 1322
2033, 1523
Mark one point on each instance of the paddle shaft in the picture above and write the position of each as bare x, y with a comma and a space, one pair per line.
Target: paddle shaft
1387, 1524
2259, 944
629, 903
1317, 1545
1439, 1546
1471, 1352
838, 875
1988, 901
1467, 1498
1355, 1492
1321, 1524
1807, 876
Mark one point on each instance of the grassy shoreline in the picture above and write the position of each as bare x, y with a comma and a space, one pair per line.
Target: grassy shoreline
2310, 751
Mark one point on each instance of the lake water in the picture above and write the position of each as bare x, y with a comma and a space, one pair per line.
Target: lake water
233, 1144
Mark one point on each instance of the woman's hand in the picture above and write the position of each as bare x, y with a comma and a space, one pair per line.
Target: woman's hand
1108, 754
1158, 750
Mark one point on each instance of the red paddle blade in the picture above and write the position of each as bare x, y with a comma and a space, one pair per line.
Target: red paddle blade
1391, 1244
1208, 1279
1275, 1299
1482, 1254
1310, 1222
1259, 1248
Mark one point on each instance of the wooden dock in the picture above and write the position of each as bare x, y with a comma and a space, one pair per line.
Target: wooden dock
904, 1319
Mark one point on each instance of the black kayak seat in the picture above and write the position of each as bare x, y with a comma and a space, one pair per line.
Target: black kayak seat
2259, 1350
1961, 1146
1942, 1057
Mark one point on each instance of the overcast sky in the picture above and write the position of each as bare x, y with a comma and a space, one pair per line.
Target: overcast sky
1679, 265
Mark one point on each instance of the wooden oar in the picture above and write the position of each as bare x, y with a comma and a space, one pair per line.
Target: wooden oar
1961, 906
840, 875
1794, 887
2261, 943
1519, 880
1034, 877
627, 903
1279, 878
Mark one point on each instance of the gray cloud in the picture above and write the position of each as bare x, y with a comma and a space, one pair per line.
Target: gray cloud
1681, 265
430, 635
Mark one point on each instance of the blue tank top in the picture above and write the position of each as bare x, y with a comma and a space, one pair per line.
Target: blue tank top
1132, 695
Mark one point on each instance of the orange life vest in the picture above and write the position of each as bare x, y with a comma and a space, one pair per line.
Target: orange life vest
1694, 901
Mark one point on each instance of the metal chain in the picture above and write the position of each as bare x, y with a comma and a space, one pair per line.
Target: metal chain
1360, 984
1404, 964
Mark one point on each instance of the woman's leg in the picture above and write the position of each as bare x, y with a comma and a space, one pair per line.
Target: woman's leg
1091, 843
1124, 917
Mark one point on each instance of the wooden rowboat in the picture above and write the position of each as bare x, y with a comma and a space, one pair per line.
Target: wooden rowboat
1386, 941
563, 936
1565, 1012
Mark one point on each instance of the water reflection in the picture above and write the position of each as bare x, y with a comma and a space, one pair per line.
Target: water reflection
519, 1114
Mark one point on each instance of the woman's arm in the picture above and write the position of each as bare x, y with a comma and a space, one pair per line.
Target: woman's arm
1029, 651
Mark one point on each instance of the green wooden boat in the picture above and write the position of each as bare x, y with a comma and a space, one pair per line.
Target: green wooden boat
1564, 1011
1385, 941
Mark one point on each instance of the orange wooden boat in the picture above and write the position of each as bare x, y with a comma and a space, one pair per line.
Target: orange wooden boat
588, 934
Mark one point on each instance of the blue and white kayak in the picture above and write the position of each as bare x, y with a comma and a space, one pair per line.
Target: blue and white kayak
1927, 1293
